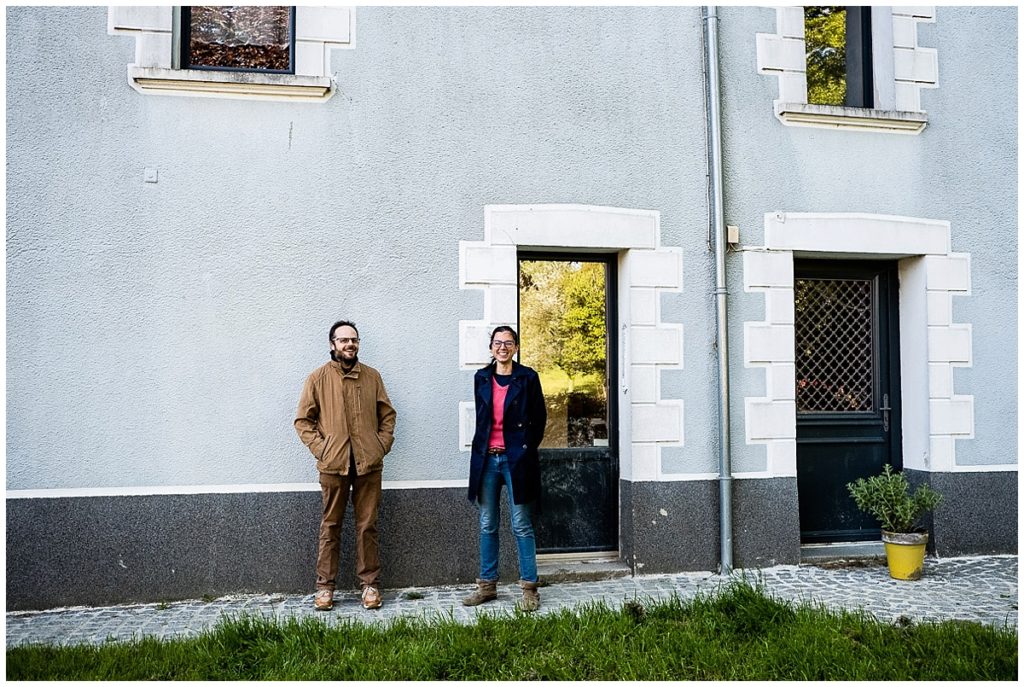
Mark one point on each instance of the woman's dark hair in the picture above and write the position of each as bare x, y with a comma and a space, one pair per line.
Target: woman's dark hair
506, 328
341, 323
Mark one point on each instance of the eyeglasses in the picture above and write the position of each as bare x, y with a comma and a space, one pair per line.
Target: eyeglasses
345, 339
503, 344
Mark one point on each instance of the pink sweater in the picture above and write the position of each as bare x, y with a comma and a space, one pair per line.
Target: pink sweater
498, 393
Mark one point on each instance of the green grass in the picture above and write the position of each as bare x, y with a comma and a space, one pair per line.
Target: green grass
555, 382
738, 634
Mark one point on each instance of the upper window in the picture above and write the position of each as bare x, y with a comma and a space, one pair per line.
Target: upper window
267, 52
858, 68
235, 38
838, 47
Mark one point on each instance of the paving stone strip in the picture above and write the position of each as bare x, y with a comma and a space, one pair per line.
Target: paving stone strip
981, 589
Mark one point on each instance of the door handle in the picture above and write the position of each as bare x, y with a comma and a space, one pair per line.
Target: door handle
885, 412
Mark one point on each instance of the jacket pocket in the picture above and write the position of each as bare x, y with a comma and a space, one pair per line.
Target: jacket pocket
328, 460
323, 448
376, 460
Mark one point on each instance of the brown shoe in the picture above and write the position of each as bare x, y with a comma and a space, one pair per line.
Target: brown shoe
485, 591
371, 598
324, 599
531, 597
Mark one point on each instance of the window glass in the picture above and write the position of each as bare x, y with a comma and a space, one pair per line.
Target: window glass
563, 332
835, 345
233, 37
825, 37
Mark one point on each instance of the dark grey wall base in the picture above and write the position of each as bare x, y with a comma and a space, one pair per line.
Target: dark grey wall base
669, 526
116, 549
674, 526
98, 550
102, 550
978, 513
766, 522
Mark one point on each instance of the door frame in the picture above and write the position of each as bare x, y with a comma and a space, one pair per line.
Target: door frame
886, 279
610, 261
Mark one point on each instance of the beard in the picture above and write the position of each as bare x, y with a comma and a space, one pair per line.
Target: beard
348, 361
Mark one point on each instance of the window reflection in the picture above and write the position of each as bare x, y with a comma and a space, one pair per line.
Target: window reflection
240, 37
825, 38
563, 332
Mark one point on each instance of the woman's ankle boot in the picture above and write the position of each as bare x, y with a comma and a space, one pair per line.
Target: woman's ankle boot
485, 591
531, 597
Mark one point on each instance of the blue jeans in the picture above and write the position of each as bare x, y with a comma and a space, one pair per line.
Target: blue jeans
497, 473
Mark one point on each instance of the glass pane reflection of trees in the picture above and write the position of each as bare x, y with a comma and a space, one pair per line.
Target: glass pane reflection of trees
825, 38
563, 335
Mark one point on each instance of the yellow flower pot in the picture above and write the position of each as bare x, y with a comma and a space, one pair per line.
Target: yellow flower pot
905, 553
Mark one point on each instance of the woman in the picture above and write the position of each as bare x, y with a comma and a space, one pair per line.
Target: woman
510, 419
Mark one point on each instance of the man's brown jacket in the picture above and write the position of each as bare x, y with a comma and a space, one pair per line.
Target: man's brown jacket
339, 410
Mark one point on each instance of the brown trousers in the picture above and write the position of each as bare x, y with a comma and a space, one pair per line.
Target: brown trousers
365, 502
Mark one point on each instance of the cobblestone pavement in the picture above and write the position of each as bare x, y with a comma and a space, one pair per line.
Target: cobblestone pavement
982, 589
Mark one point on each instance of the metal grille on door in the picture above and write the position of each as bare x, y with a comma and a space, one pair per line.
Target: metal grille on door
834, 345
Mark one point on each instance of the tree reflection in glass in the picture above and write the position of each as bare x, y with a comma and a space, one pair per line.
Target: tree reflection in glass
825, 40
563, 332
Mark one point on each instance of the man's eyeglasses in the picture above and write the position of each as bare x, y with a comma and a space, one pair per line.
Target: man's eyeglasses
503, 344
344, 339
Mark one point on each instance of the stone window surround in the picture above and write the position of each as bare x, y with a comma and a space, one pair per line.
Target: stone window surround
931, 344
647, 344
318, 30
901, 69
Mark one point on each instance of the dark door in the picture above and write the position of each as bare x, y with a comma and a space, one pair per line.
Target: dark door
847, 391
565, 315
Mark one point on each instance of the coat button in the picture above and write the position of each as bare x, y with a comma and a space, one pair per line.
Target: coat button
520, 424
524, 447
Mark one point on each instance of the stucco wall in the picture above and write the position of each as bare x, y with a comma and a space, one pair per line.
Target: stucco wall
961, 169
159, 334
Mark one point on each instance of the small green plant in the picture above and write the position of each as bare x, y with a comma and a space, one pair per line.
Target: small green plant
634, 610
887, 497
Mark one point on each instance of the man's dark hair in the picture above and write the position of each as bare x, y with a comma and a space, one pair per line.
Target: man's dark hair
340, 323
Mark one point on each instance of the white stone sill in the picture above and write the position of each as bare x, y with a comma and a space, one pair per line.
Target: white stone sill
246, 85
851, 118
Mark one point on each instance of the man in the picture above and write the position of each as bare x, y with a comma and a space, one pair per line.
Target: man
346, 420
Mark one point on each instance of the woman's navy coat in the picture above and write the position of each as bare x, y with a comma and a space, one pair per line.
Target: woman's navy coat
524, 421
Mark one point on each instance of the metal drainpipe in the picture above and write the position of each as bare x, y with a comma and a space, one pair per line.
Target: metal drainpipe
710, 21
